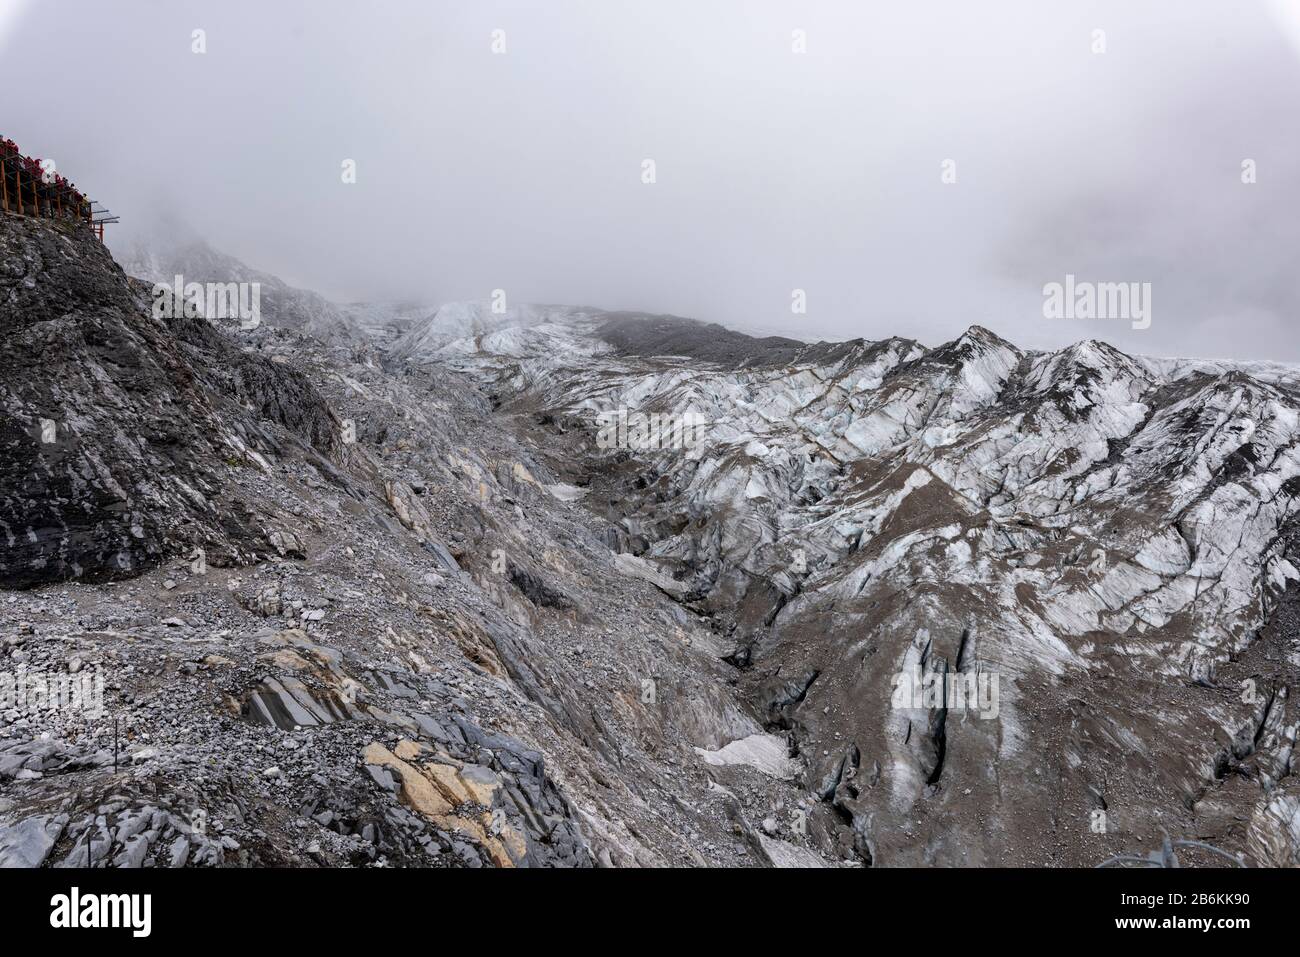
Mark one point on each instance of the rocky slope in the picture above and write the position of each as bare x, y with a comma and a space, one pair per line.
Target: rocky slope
379, 631
112, 422
391, 595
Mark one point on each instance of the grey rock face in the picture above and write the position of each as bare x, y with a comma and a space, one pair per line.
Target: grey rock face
28, 843
119, 429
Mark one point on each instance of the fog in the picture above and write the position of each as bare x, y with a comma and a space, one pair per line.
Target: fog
775, 170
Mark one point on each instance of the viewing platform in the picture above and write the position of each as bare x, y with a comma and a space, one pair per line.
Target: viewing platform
32, 187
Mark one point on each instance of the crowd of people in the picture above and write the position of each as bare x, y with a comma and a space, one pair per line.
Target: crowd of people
30, 188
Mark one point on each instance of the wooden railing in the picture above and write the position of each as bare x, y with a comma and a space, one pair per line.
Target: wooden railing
26, 189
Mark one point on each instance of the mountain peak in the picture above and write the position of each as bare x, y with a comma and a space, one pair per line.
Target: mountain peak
984, 336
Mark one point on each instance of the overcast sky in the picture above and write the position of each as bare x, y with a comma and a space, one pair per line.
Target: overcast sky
775, 170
